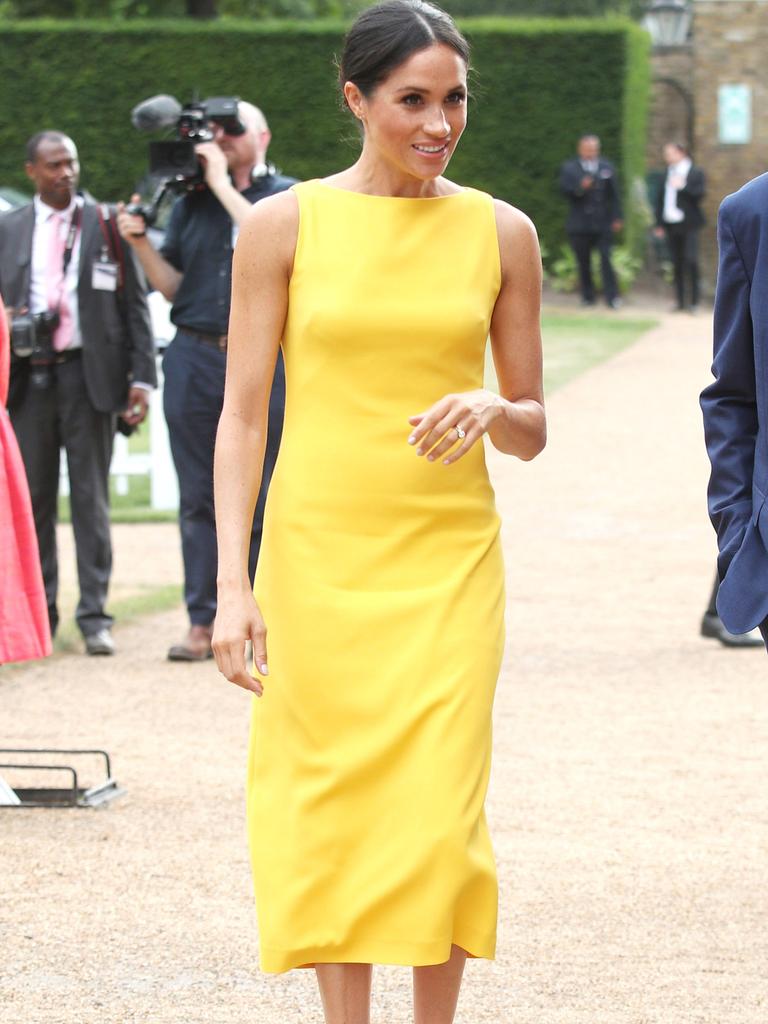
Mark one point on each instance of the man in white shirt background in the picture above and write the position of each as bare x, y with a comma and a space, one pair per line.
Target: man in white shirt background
82, 353
679, 219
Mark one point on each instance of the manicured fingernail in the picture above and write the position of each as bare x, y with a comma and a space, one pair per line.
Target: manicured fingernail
446, 462
430, 458
419, 451
412, 439
263, 669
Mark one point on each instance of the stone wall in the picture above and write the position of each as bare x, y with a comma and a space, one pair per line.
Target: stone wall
730, 46
671, 102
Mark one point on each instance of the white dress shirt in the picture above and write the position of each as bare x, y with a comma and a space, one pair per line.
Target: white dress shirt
38, 287
672, 212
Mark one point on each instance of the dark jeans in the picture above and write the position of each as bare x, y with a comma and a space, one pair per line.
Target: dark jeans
193, 394
582, 245
45, 420
683, 244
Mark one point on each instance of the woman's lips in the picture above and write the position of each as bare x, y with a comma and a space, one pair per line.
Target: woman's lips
431, 149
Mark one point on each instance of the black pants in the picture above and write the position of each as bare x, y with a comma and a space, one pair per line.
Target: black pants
193, 394
582, 245
45, 420
683, 244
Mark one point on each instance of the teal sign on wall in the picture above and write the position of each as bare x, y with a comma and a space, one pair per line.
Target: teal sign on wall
734, 114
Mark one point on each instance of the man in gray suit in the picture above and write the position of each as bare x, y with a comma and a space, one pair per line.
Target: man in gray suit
63, 261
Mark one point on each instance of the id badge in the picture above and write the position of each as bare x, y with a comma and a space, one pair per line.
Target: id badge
104, 276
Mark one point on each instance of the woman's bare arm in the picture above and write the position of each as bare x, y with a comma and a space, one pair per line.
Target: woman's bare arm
260, 275
514, 419
516, 338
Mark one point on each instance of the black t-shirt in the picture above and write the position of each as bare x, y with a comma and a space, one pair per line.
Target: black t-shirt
199, 244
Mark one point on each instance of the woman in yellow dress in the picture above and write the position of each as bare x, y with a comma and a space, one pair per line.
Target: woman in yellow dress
377, 612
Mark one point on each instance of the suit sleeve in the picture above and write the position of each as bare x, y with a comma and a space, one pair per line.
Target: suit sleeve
729, 404
138, 321
695, 185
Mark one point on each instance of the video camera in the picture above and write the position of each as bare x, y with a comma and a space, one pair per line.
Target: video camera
173, 164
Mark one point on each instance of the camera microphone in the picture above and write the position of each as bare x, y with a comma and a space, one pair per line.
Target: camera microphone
156, 113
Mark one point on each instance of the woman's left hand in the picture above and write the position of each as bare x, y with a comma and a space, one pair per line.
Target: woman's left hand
451, 426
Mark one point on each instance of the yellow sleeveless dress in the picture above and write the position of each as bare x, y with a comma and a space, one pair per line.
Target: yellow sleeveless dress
381, 583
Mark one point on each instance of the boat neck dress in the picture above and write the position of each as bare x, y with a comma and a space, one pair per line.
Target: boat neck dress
381, 583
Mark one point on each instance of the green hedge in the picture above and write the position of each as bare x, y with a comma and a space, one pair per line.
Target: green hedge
308, 8
537, 85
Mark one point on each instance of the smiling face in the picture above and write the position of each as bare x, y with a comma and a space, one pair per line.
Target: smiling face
55, 171
414, 119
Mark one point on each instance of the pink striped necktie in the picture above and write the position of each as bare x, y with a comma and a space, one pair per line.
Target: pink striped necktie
57, 286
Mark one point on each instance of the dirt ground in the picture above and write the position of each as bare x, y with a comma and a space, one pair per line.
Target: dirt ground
628, 797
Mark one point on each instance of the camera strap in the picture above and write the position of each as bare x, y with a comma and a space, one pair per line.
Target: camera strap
69, 246
112, 239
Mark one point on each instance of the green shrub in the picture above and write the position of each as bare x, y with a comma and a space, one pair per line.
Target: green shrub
537, 85
306, 8
563, 273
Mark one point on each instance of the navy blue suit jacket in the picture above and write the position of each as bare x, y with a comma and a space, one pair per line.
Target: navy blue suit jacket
735, 408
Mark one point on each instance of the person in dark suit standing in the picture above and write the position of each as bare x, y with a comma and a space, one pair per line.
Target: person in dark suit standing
61, 257
735, 408
679, 220
590, 184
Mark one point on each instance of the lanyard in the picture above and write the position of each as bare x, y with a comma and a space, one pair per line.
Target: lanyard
74, 224
69, 245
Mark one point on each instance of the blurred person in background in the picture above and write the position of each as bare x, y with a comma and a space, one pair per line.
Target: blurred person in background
193, 270
24, 629
72, 286
589, 183
679, 220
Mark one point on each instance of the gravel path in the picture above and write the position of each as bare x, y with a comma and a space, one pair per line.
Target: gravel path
628, 798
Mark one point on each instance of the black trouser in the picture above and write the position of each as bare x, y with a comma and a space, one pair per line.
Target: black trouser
582, 245
193, 394
683, 246
45, 420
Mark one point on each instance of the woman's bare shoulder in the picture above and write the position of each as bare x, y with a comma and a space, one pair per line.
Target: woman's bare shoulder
279, 212
272, 225
513, 224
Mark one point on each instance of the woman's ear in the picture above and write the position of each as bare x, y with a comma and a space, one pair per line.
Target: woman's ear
355, 100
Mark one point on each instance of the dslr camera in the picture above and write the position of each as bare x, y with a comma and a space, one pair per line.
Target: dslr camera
173, 164
32, 338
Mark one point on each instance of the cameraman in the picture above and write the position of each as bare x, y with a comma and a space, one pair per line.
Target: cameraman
82, 353
193, 270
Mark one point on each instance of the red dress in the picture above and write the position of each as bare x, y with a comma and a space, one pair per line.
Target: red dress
24, 629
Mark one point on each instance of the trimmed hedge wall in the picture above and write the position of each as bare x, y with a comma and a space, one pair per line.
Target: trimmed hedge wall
537, 85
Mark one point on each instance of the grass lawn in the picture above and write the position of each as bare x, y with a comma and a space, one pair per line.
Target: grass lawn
575, 342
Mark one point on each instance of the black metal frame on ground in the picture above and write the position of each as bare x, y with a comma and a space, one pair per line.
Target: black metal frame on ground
72, 795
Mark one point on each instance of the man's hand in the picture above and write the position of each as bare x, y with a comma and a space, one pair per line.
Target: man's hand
136, 409
214, 163
131, 226
658, 232
587, 182
617, 225
11, 312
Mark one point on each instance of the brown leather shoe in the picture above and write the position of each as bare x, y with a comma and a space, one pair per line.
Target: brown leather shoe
196, 645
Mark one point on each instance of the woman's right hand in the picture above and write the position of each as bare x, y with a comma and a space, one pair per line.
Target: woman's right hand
239, 619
